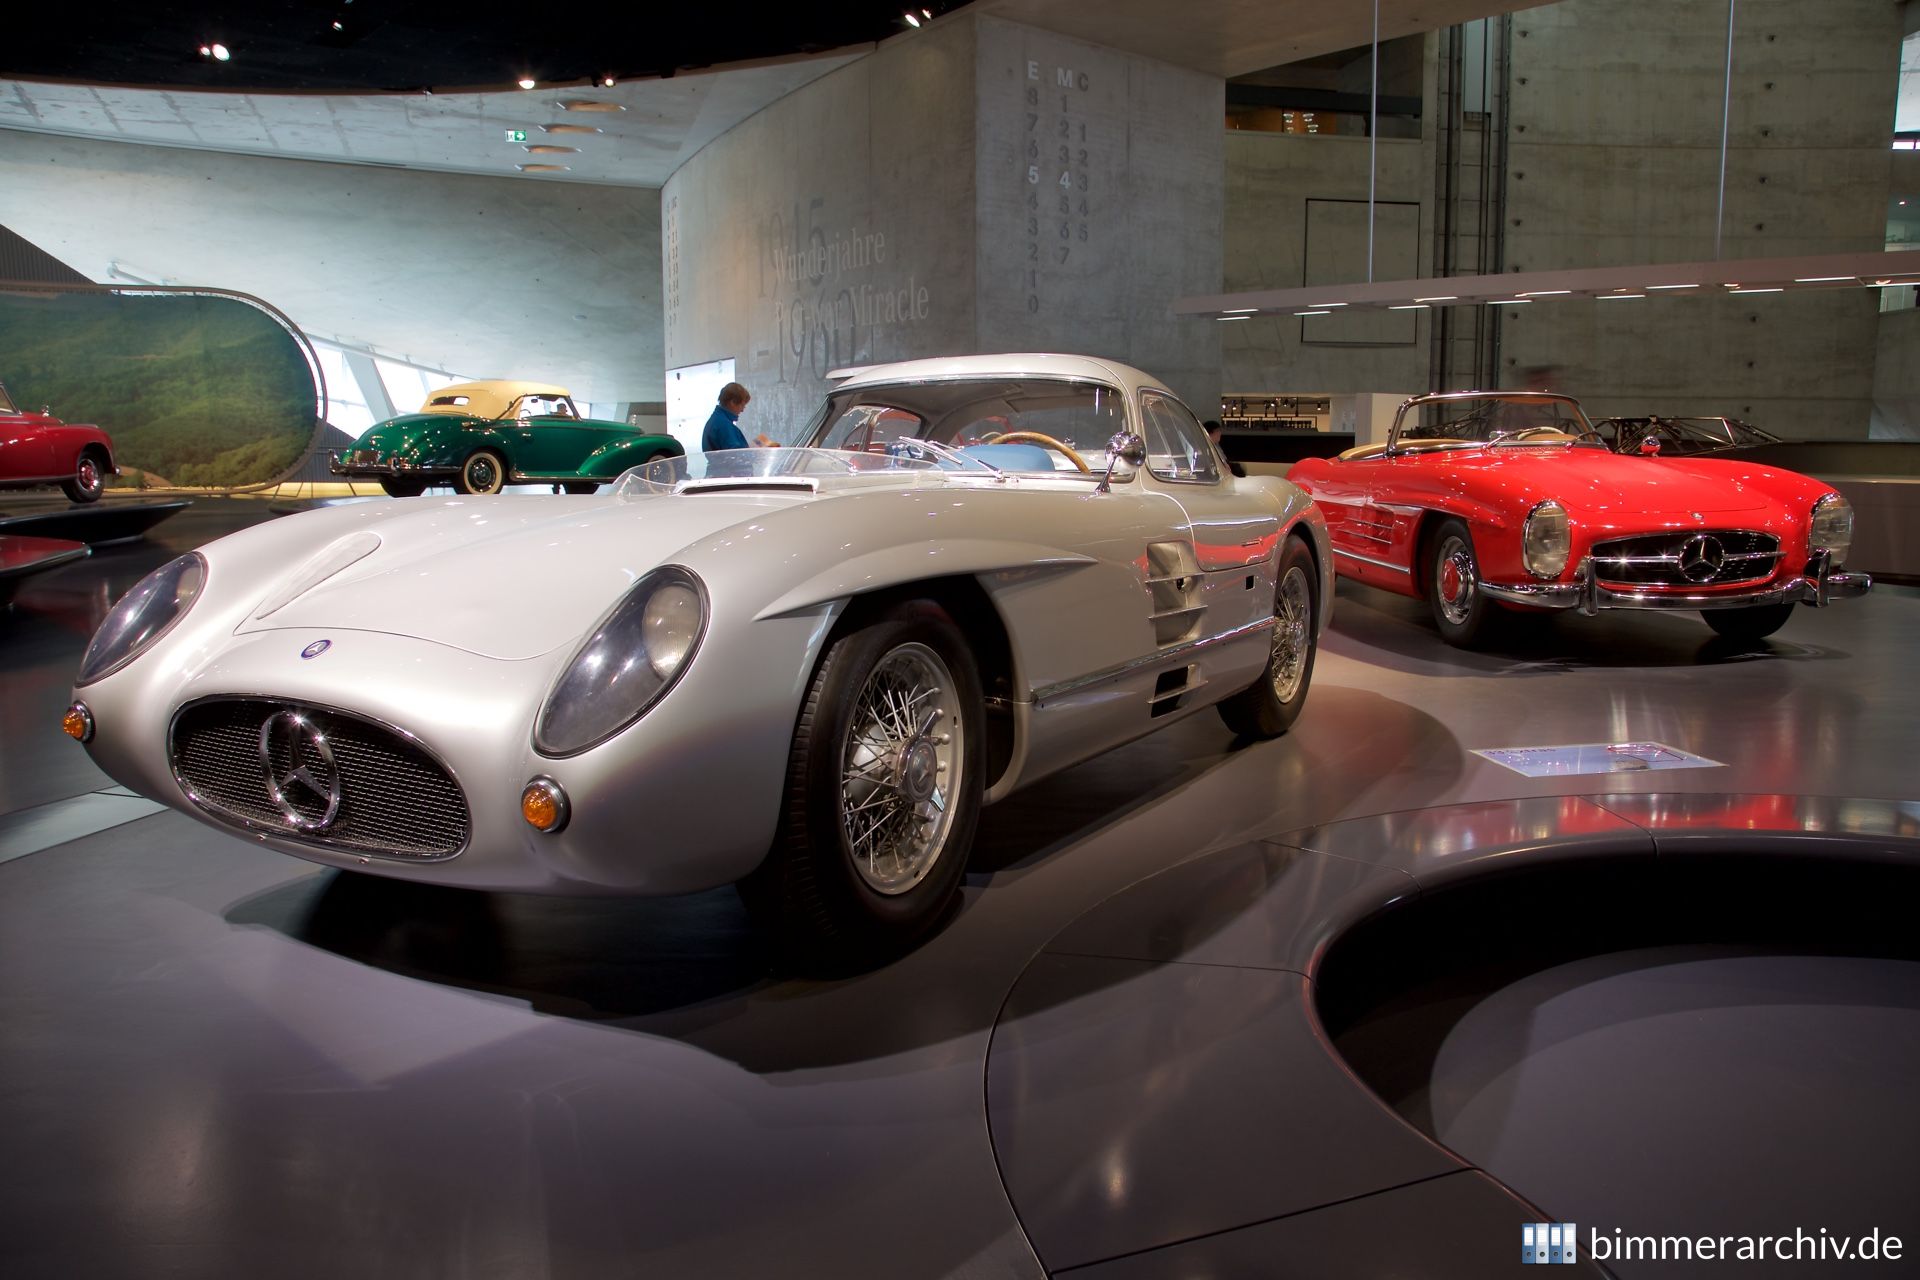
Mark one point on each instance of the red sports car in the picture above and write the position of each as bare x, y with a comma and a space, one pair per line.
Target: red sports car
38, 448
1483, 501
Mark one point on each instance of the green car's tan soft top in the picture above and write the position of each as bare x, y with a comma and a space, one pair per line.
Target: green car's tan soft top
491, 398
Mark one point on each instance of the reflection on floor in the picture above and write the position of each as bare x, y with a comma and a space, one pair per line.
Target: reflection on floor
220, 1060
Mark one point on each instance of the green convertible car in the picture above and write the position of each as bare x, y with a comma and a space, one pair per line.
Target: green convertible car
480, 437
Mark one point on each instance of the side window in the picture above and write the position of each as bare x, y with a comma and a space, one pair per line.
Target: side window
1177, 447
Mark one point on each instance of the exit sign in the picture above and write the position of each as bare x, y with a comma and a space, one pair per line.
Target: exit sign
516, 135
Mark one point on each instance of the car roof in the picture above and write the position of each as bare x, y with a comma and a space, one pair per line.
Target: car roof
1002, 365
490, 397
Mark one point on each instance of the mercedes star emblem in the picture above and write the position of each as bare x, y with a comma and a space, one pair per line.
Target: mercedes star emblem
317, 648
302, 778
1701, 558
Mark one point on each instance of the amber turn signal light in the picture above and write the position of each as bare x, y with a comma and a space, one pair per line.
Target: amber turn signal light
78, 722
544, 805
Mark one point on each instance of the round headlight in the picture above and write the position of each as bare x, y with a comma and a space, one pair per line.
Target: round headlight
1546, 541
143, 615
1831, 529
629, 662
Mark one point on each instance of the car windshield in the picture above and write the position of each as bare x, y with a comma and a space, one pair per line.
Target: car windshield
1518, 418
543, 407
1008, 424
774, 468
6, 401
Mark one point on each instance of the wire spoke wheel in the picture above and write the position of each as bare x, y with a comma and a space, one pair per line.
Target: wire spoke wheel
1292, 633
901, 762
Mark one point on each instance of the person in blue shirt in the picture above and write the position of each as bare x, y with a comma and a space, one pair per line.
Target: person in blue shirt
723, 428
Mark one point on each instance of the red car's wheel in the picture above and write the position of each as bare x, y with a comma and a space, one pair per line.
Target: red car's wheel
1461, 610
89, 479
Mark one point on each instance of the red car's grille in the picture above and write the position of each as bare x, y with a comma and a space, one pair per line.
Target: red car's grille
1687, 558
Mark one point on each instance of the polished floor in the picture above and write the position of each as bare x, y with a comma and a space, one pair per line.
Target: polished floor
220, 1061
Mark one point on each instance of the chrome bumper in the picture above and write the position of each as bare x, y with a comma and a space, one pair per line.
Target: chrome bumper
336, 465
1818, 585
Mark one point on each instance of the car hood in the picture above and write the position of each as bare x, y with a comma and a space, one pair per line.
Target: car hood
1596, 483
503, 577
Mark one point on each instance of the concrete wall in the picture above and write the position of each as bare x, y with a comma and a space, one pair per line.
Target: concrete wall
1296, 214
493, 277
1614, 159
908, 205
1896, 377
1098, 203
833, 228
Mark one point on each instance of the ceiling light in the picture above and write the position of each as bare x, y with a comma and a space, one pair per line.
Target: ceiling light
587, 104
1410, 306
1773, 290
927, 14
1326, 304
221, 53
1545, 293
1508, 302
913, 19
1822, 279
1673, 286
1313, 313
541, 168
1448, 298
1233, 317
570, 128
547, 149
1240, 311
339, 26
1616, 297
606, 82
526, 82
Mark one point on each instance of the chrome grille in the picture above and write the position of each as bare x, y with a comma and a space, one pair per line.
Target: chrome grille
1687, 558
394, 799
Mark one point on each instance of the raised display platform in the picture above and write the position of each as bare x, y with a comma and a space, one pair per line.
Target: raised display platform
21, 557
101, 524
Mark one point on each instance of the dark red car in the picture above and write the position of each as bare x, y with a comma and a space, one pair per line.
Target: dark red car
38, 448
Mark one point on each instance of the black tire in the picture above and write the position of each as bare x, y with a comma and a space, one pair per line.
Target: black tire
1464, 614
399, 488
484, 472
582, 486
825, 907
1268, 707
1756, 623
89, 478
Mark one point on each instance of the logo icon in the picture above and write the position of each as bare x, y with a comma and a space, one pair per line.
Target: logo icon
317, 648
1545, 1243
302, 779
1701, 558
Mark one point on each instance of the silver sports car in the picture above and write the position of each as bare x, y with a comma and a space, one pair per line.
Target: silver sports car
801, 669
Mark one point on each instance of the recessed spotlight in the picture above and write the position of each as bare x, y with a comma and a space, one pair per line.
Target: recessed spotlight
570, 128
526, 82
206, 51
913, 19
547, 149
339, 26
221, 53
606, 82
541, 168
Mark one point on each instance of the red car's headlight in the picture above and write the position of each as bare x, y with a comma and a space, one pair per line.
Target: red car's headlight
1546, 541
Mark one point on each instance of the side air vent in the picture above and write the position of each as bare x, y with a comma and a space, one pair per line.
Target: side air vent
1173, 589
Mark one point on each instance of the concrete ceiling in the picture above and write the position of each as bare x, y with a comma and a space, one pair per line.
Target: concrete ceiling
657, 125
1235, 37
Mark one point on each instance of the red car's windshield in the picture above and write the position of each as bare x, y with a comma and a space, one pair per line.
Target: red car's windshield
1521, 417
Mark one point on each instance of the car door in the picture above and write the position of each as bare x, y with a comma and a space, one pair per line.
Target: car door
1228, 532
26, 447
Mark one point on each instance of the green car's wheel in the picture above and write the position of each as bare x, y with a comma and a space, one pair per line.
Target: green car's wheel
883, 791
483, 472
398, 488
